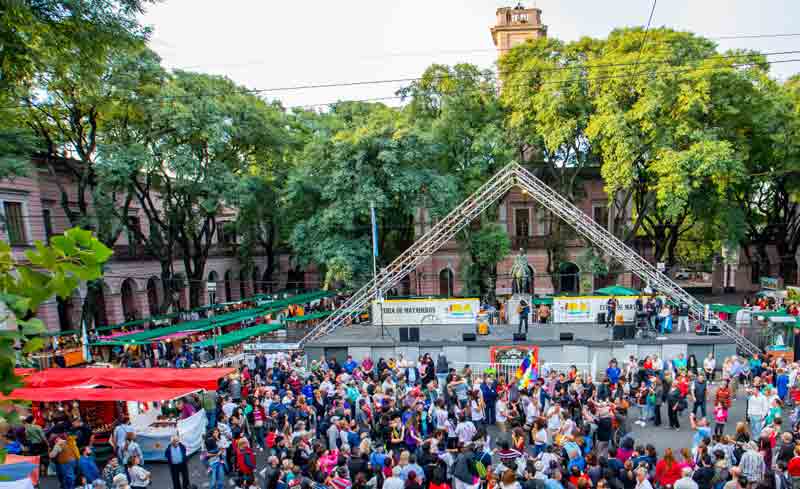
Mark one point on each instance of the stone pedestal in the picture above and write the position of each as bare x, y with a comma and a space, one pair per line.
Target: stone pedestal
513, 304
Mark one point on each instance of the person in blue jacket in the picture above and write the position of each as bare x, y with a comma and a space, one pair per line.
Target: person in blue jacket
178, 463
88, 466
613, 372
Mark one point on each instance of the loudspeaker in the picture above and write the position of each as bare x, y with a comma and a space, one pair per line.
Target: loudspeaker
601, 318
520, 337
630, 331
468, 337
409, 335
566, 337
619, 333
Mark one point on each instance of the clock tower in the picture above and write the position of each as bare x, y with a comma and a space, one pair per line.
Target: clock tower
515, 26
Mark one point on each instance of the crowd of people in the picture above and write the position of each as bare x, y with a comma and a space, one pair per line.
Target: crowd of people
399, 424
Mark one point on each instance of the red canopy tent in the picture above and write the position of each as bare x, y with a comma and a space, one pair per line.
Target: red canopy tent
128, 378
57, 394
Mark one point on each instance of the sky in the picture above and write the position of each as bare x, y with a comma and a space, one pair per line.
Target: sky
266, 44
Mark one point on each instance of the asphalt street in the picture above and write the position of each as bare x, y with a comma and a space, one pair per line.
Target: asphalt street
661, 437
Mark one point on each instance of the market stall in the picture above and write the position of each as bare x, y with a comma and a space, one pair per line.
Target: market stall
61, 349
778, 336
101, 396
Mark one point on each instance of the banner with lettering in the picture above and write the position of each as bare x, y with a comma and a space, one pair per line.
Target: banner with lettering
418, 312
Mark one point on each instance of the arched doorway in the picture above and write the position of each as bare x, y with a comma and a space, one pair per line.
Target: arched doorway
152, 296
256, 282
66, 310
296, 279
568, 277
130, 310
228, 297
211, 286
242, 284
98, 292
446, 280
266, 282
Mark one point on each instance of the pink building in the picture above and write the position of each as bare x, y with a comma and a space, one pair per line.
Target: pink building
132, 288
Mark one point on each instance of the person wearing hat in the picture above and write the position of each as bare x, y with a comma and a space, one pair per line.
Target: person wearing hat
340, 479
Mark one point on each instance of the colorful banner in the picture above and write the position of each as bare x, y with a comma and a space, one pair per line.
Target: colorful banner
512, 354
416, 312
585, 309
190, 430
772, 283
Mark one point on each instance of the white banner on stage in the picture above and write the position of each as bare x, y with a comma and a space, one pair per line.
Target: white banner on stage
414, 312
585, 309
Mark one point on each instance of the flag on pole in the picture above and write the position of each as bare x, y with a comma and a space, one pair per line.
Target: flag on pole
531, 372
374, 231
523, 367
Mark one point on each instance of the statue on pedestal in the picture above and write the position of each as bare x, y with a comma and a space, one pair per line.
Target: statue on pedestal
521, 274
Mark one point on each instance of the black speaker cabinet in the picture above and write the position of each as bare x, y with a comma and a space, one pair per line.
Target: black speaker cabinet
566, 337
601, 318
468, 337
520, 337
404, 335
413, 334
619, 333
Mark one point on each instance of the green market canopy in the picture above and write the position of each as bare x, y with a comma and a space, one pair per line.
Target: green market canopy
726, 308
205, 324
263, 299
308, 317
617, 290
236, 337
537, 301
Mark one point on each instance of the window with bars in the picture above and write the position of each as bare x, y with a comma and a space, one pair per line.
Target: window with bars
47, 218
522, 221
15, 223
600, 214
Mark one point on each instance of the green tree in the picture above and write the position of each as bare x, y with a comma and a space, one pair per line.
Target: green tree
358, 154
550, 108
183, 156
455, 112
656, 124
45, 36
25, 283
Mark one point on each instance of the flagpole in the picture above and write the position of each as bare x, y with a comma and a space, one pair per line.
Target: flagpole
374, 221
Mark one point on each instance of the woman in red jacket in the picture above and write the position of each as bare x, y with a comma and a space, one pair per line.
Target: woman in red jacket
667, 469
246, 463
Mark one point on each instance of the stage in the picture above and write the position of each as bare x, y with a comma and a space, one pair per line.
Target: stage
590, 344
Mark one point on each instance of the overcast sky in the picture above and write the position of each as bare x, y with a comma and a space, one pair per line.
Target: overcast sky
281, 43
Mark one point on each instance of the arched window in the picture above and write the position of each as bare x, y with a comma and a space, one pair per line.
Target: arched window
99, 292
446, 282
129, 308
152, 296
568, 277
257, 288
242, 284
266, 283
212, 287
228, 297
66, 308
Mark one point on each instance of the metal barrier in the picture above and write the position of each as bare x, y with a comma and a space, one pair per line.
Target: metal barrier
509, 369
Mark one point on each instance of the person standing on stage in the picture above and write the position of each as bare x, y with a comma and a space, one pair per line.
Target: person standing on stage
524, 310
611, 311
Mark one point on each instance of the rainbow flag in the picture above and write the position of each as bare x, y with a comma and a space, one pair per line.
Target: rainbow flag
531, 372
524, 366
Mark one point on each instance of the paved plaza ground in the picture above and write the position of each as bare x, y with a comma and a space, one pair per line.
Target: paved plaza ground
661, 437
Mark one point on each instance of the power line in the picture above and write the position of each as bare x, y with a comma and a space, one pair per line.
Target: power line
665, 61
470, 51
644, 37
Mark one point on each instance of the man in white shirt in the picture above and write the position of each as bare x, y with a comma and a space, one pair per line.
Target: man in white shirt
686, 482
465, 430
757, 409
641, 479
